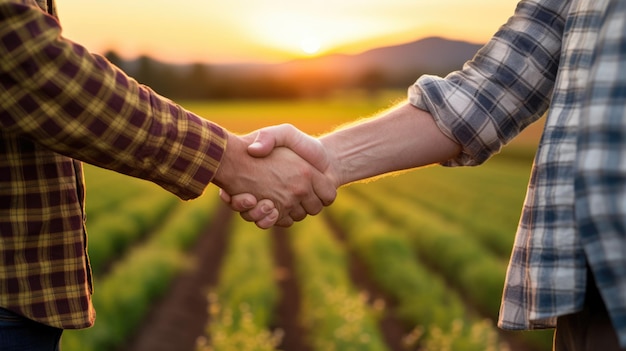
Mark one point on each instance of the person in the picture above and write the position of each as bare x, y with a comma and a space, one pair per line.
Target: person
568, 58
60, 104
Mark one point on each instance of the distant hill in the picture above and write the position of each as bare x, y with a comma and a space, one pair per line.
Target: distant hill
430, 55
435, 55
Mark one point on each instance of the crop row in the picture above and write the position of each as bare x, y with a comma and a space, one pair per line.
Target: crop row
485, 201
335, 315
445, 242
242, 304
112, 235
462, 260
424, 301
126, 293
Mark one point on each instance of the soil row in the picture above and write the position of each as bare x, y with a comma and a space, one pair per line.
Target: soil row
180, 317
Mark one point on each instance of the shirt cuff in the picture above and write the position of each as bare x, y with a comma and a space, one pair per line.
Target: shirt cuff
200, 155
459, 117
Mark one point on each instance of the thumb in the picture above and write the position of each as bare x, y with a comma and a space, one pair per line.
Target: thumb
265, 142
286, 135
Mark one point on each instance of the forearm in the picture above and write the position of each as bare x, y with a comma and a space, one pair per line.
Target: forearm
504, 88
403, 138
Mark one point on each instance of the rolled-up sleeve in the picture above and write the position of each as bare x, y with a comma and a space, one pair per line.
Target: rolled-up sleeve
56, 93
503, 89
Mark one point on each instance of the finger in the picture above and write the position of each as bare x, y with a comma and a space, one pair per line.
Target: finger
269, 220
306, 146
298, 214
224, 196
243, 202
324, 188
284, 222
312, 205
262, 209
299, 217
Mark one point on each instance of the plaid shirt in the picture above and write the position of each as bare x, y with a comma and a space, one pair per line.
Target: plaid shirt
570, 56
60, 104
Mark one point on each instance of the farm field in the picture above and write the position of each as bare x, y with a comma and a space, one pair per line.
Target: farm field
414, 261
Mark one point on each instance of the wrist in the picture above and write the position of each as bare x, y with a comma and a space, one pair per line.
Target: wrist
226, 171
335, 168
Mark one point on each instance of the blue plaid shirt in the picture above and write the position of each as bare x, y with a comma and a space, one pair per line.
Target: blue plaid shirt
569, 56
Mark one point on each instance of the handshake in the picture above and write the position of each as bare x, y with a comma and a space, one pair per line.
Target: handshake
279, 175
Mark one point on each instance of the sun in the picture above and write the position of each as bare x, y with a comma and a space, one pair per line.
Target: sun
310, 45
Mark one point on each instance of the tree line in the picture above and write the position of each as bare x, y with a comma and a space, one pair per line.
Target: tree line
200, 81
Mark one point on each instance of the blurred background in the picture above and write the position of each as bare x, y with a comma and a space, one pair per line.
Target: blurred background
410, 262
282, 49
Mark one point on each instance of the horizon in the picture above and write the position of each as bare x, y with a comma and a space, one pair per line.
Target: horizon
245, 31
291, 60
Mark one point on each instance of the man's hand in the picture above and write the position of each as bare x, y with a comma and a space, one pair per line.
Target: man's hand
266, 140
286, 135
283, 179
263, 212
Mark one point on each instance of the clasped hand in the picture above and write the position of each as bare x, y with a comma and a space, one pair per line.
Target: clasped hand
291, 175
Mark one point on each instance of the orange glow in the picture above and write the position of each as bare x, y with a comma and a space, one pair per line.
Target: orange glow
271, 30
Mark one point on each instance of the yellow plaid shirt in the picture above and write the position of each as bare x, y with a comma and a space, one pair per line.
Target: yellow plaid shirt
60, 104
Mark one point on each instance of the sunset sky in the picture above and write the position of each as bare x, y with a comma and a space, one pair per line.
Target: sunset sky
271, 30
